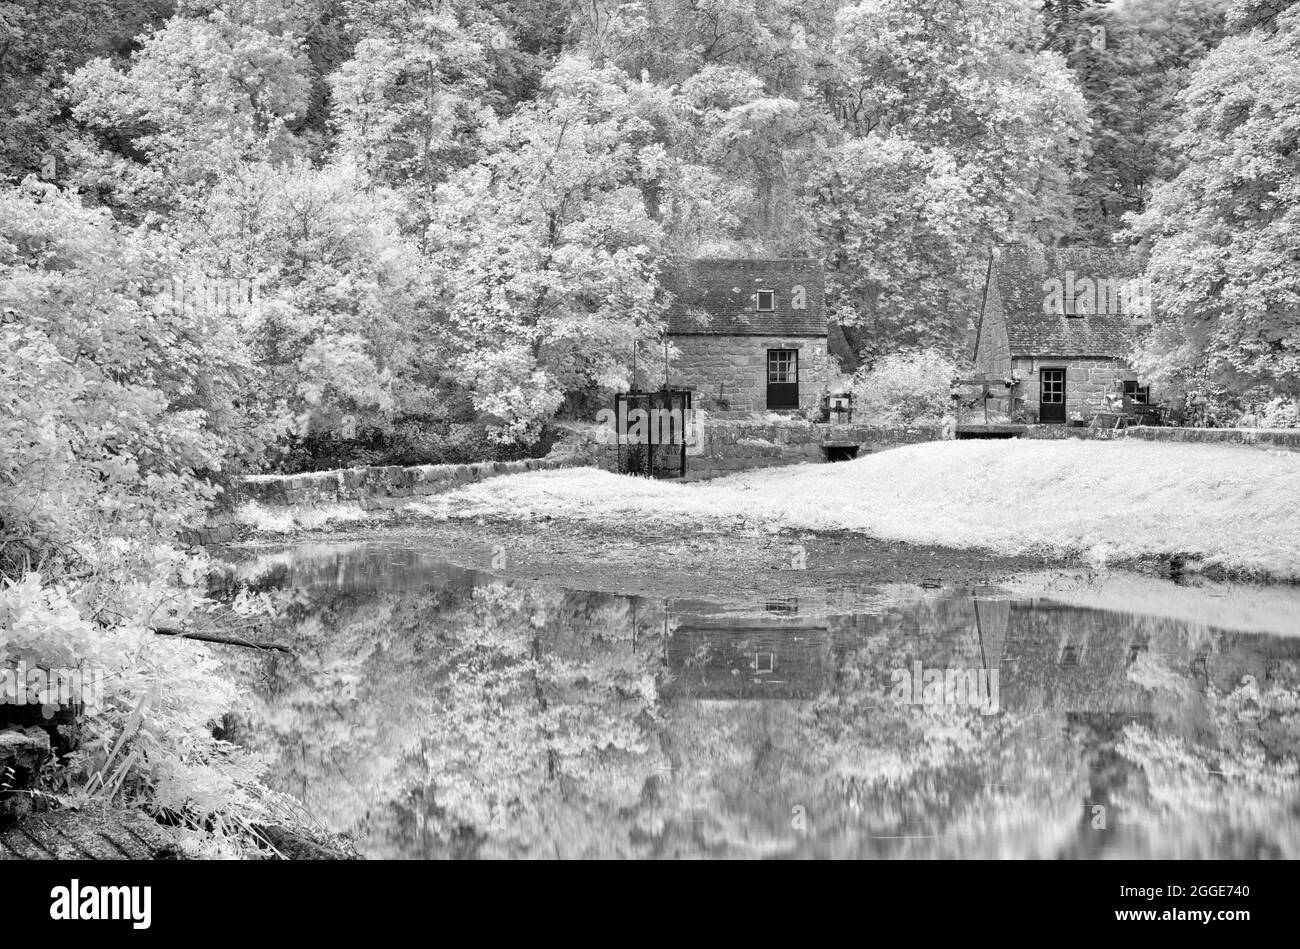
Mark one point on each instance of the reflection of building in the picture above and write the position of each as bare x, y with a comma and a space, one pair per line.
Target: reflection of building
1065, 659
1050, 657
749, 658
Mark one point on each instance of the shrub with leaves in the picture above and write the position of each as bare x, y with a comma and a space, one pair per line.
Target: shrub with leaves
909, 388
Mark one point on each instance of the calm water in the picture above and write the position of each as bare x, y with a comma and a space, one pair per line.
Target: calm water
432, 711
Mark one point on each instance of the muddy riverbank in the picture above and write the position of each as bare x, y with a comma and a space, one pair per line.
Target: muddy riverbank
652, 561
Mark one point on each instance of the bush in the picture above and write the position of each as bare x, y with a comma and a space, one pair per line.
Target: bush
1279, 413
904, 389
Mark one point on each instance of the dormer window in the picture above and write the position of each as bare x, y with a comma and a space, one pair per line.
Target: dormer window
1080, 305
765, 301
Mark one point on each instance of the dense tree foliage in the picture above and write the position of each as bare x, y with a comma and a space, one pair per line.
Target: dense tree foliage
114, 403
1131, 62
1223, 231
895, 140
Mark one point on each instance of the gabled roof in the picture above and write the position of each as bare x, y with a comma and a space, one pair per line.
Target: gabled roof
724, 290
1022, 271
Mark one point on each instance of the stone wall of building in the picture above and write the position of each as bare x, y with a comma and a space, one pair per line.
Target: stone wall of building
735, 367
1087, 382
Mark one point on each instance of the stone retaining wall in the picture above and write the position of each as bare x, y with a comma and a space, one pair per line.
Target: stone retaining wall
735, 445
1285, 438
1260, 438
374, 488
378, 487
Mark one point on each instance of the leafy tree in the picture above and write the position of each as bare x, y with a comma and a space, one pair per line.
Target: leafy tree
1221, 232
906, 389
897, 219
1247, 15
203, 92
1062, 18
546, 246
976, 135
780, 42
38, 43
339, 326
1131, 62
410, 100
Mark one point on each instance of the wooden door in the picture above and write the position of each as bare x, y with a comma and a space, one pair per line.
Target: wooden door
783, 378
1051, 395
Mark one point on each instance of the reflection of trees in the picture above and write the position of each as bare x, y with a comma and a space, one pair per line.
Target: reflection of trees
1230, 786
511, 720
431, 723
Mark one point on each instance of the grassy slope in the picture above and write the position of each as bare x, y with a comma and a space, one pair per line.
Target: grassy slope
1233, 507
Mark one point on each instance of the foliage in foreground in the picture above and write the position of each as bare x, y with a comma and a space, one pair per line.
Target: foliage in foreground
112, 403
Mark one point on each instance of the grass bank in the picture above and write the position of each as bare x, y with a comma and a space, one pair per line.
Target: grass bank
1225, 508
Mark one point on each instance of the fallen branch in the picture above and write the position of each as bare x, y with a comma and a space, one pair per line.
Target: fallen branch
223, 640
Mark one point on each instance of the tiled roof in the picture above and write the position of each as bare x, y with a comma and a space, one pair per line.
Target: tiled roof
723, 289
1022, 271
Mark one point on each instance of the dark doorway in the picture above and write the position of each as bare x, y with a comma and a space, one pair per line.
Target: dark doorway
783, 378
1051, 395
841, 452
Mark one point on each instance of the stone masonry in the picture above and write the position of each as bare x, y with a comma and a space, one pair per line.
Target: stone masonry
1087, 382
370, 488
735, 368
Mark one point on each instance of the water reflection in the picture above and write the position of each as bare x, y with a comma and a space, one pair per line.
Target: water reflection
432, 711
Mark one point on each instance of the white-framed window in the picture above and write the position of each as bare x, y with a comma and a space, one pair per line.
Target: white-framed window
782, 366
765, 301
1052, 386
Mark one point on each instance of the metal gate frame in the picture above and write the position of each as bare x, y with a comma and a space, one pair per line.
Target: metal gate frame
656, 456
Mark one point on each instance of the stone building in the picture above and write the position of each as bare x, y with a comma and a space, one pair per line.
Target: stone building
1061, 322
750, 335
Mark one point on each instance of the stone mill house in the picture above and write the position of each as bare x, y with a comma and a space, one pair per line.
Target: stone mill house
750, 335
1061, 323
